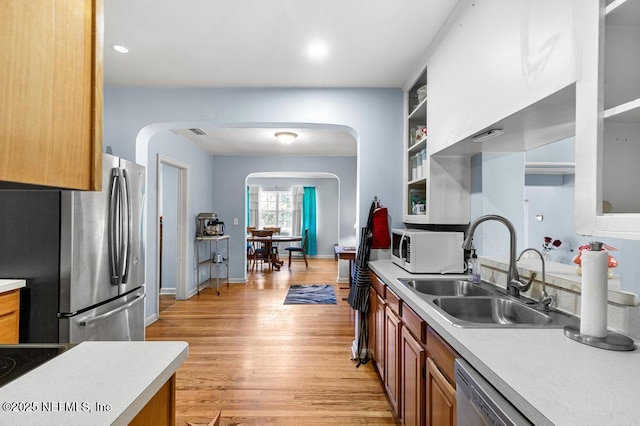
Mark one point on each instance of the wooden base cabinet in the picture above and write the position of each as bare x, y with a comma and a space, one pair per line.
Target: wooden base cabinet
392, 359
441, 391
441, 398
413, 380
10, 317
376, 318
161, 409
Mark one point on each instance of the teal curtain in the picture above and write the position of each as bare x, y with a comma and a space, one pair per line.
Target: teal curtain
309, 218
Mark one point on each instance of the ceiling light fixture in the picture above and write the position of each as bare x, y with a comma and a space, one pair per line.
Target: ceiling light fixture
489, 134
120, 48
317, 50
286, 137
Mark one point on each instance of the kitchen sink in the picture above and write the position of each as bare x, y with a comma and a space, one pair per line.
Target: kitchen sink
491, 310
484, 305
447, 287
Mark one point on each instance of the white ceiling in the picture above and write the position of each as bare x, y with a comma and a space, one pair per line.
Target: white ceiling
262, 142
259, 43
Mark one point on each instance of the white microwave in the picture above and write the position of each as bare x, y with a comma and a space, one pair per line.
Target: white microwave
428, 252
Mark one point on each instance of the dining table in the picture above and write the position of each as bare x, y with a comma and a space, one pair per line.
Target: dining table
269, 242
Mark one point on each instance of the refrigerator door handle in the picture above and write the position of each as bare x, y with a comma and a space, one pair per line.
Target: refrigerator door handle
129, 224
102, 317
113, 225
122, 243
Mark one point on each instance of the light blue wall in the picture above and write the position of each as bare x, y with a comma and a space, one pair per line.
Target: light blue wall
328, 215
499, 186
230, 197
134, 117
200, 196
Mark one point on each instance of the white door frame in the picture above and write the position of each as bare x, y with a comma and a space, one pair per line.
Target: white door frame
183, 228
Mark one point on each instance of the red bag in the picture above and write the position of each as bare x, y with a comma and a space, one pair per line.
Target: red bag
381, 239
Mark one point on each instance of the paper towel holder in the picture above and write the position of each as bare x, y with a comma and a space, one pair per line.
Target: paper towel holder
612, 341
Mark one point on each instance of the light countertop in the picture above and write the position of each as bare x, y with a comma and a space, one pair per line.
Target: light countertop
11, 284
550, 378
122, 376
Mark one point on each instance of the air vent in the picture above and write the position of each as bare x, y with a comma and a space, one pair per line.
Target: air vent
199, 132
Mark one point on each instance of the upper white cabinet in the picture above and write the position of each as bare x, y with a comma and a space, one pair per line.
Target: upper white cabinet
436, 189
498, 58
608, 121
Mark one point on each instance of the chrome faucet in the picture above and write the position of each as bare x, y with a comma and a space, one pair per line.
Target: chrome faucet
545, 301
514, 284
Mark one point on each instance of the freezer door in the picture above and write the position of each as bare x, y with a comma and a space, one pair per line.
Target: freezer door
85, 270
119, 320
134, 262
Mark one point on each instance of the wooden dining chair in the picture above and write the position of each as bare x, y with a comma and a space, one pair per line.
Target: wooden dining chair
274, 245
302, 249
261, 248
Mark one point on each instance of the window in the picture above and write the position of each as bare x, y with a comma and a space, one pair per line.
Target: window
275, 207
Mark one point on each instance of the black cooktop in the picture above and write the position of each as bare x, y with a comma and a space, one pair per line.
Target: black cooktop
16, 360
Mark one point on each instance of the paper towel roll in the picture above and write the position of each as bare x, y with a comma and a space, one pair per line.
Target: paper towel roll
593, 304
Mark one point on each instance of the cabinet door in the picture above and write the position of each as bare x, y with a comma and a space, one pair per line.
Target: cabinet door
441, 398
380, 343
607, 197
371, 323
392, 359
51, 85
10, 317
413, 380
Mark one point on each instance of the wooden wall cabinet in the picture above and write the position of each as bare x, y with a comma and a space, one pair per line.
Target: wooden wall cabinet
51, 85
10, 317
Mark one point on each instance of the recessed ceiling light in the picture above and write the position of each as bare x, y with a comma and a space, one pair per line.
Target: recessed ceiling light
120, 48
317, 50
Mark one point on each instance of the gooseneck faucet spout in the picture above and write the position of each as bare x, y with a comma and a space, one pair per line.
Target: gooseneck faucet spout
514, 284
545, 301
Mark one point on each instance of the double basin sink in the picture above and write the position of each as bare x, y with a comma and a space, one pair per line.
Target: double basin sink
465, 304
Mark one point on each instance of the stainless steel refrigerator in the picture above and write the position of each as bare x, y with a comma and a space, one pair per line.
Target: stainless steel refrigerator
82, 255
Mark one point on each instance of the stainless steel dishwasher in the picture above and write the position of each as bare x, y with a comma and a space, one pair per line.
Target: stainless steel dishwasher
478, 403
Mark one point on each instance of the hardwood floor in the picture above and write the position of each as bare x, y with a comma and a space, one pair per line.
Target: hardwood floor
262, 362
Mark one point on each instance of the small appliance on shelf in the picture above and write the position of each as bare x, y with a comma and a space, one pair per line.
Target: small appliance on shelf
209, 225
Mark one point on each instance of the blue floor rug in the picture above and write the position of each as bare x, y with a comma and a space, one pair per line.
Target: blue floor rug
311, 294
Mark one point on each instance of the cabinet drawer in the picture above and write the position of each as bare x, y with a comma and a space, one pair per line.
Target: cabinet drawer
378, 285
416, 325
393, 302
9, 317
9, 301
441, 354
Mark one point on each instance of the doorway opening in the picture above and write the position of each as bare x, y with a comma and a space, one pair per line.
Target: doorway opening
172, 230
